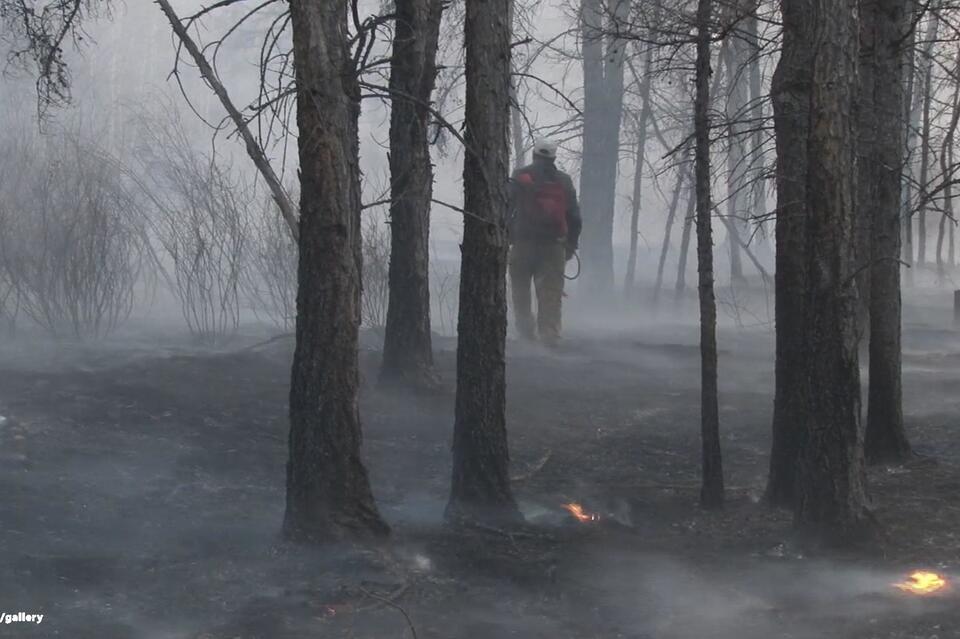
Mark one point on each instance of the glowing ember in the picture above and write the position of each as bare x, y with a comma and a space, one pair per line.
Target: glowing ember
577, 511
922, 582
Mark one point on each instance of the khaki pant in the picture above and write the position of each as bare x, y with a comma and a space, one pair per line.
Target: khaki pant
543, 263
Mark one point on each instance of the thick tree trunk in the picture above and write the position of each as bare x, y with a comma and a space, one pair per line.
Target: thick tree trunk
711, 491
668, 229
603, 61
883, 23
481, 482
790, 95
407, 347
831, 494
328, 492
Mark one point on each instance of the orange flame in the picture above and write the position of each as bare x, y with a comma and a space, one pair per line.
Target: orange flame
577, 511
922, 582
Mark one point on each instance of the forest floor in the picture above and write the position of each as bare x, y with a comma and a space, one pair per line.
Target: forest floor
141, 495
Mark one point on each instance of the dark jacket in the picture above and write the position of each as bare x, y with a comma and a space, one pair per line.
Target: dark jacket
543, 169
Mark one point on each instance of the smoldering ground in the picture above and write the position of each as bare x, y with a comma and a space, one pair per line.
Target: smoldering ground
142, 497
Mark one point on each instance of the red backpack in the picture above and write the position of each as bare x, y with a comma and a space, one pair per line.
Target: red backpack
543, 206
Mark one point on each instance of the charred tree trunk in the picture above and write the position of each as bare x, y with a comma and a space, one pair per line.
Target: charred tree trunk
790, 95
328, 492
883, 23
481, 482
603, 60
711, 491
407, 347
831, 494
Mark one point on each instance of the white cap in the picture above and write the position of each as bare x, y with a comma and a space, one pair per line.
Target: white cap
545, 148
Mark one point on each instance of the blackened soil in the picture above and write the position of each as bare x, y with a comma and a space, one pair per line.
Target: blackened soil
141, 496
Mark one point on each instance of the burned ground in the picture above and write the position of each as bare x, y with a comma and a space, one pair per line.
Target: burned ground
142, 494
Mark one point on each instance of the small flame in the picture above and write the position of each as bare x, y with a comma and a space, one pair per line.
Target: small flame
577, 511
922, 582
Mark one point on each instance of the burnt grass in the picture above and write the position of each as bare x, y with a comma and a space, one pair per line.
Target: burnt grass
142, 495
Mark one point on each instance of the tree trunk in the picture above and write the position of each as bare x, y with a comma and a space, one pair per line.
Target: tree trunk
645, 110
831, 494
734, 60
407, 347
751, 36
866, 121
790, 94
481, 483
681, 284
671, 215
603, 60
328, 492
711, 492
883, 23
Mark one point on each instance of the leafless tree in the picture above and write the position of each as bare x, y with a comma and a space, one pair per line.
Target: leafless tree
198, 217
70, 246
480, 490
270, 268
376, 273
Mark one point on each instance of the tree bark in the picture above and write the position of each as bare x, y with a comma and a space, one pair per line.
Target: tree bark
711, 491
831, 493
328, 492
883, 23
790, 94
407, 346
481, 483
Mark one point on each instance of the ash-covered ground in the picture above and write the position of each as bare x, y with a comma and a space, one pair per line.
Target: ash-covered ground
142, 495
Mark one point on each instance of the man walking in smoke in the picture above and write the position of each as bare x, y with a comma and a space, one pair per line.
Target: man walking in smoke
544, 230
